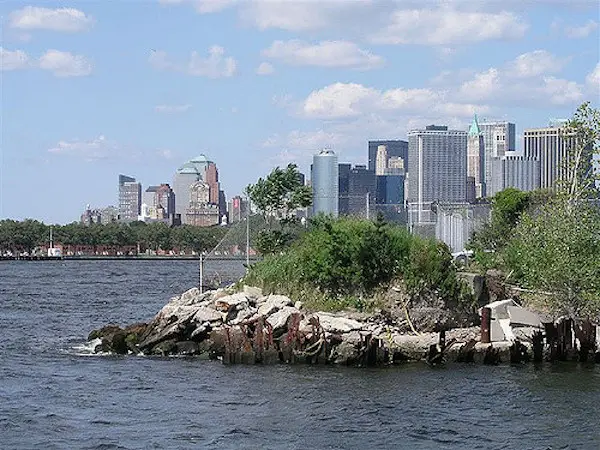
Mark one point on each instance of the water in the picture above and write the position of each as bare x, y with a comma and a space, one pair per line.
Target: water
53, 397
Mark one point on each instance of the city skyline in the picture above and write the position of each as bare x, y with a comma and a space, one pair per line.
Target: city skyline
258, 84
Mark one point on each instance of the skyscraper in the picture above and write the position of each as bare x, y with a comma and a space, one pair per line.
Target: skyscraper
394, 148
197, 169
551, 147
498, 138
517, 171
324, 175
362, 192
476, 159
130, 198
437, 169
344, 188
381, 161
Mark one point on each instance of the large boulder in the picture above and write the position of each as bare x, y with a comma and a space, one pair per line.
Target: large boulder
279, 319
272, 304
235, 302
338, 324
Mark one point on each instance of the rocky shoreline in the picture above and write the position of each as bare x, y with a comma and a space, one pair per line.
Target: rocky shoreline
249, 327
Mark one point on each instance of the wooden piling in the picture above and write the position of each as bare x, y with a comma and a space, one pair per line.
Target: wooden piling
486, 324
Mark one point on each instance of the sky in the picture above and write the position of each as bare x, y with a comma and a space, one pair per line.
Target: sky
91, 89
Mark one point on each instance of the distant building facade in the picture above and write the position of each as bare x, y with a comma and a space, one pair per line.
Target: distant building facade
238, 207
498, 138
325, 183
130, 199
393, 148
362, 191
551, 147
187, 192
516, 171
437, 170
476, 160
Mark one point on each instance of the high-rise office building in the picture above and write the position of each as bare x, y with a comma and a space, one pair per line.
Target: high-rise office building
551, 147
476, 159
197, 169
517, 171
130, 198
362, 192
437, 170
381, 160
344, 189
325, 183
498, 138
238, 207
159, 201
394, 148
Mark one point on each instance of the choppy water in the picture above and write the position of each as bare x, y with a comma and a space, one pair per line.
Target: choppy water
51, 397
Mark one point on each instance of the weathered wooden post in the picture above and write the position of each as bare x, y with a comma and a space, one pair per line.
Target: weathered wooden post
486, 324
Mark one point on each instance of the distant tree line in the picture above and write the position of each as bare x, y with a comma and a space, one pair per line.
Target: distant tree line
25, 236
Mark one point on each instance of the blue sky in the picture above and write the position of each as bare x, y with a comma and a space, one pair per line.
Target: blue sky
91, 89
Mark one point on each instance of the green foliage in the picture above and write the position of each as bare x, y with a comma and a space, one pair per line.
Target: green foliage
507, 207
276, 198
557, 251
344, 263
549, 242
25, 236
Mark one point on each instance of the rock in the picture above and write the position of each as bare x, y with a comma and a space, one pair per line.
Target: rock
105, 330
201, 331
298, 305
236, 302
186, 348
240, 316
278, 320
115, 343
253, 292
347, 351
334, 324
274, 303
204, 314
165, 348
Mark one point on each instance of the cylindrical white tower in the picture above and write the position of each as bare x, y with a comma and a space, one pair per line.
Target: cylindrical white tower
325, 183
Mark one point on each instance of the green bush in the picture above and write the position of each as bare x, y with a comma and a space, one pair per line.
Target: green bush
344, 263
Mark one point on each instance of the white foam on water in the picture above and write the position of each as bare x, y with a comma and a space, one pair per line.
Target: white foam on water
87, 348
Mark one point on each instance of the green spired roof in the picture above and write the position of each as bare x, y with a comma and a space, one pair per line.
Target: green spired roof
474, 130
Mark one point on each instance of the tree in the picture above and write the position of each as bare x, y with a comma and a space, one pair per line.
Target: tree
277, 197
555, 249
507, 207
582, 137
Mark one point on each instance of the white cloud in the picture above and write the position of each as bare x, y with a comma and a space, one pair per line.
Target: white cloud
13, 60
61, 19
91, 150
101, 148
535, 63
203, 6
484, 85
265, 68
581, 31
445, 26
351, 100
215, 65
172, 109
65, 64
304, 140
561, 92
593, 78
324, 54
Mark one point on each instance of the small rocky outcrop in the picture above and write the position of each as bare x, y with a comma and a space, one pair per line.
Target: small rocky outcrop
249, 327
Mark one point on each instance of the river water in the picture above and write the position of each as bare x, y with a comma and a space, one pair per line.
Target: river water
52, 396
